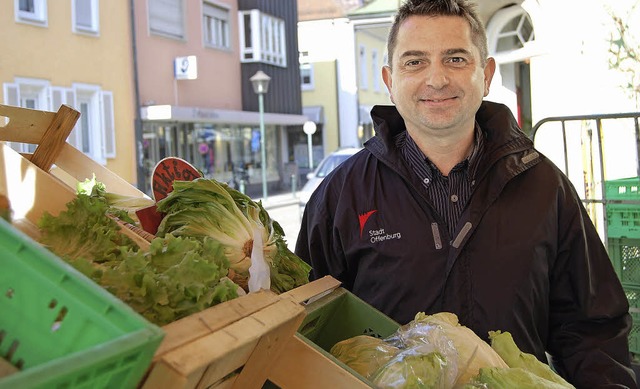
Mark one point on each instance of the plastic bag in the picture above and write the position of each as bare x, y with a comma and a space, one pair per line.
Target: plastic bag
259, 272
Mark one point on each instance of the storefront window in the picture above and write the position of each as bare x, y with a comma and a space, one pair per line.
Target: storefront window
227, 153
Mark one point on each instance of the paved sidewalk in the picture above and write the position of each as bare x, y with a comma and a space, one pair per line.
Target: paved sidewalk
285, 209
279, 200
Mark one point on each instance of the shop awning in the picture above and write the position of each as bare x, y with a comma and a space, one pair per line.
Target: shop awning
217, 116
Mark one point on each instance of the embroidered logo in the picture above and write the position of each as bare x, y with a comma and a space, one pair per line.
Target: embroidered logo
363, 219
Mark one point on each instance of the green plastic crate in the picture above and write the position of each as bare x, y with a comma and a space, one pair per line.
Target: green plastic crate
625, 256
63, 330
623, 219
623, 189
341, 315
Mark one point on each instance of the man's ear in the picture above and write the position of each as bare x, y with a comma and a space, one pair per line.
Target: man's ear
489, 71
386, 77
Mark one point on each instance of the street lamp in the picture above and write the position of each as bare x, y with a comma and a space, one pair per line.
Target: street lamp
309, 128
260, 82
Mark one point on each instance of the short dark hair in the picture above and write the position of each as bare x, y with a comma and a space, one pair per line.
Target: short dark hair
461, 8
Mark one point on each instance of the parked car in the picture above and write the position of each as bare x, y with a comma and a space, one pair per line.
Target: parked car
325, 167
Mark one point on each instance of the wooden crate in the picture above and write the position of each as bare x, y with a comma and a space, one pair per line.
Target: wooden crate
46, 179
240, 343
49, 131
233, 344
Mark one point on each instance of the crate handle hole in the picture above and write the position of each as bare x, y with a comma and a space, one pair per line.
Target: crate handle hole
9, 293
58, 322
53, 303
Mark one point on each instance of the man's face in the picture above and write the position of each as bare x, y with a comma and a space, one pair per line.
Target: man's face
438, 81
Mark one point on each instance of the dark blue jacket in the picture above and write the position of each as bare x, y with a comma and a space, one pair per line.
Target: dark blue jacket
525, 257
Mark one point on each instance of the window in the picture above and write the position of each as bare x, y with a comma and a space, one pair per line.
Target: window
85, 16
31, 11
94, 132
375, 70
515, 33
364, 77
262, 38
27, 93
215, 26
306, 72
166, 18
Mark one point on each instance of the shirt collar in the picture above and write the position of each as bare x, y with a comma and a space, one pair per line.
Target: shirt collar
409, 148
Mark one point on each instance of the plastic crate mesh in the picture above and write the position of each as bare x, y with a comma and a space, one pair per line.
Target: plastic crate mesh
630, 258
633, 295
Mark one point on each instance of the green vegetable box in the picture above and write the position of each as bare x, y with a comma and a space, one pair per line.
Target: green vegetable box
61, 330
331, 316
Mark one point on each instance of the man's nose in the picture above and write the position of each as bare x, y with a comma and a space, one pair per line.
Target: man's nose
437, 76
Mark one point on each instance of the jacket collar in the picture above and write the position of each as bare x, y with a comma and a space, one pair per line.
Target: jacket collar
495, 119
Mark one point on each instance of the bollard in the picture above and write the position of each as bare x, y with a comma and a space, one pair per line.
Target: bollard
293, 185
242, 186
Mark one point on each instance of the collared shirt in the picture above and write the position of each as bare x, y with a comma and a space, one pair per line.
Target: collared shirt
449, 194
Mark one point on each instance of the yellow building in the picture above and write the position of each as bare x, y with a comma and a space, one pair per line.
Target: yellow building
76, 53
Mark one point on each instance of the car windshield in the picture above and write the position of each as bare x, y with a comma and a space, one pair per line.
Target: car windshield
330, 163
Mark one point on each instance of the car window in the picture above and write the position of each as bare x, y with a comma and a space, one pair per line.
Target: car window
329, 164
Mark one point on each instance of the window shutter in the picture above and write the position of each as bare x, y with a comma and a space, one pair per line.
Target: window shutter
74, 137
57, 98
12, 94
166, 18
108, 125
12, 97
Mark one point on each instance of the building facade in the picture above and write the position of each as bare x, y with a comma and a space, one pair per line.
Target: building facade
76, 53
194, 64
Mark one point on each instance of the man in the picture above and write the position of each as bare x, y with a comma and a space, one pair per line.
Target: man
450, 208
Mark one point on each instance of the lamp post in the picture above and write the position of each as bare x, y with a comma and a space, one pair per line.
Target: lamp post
309, 128
260, 82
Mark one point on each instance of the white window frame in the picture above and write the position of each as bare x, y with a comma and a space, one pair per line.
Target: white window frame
67, 96
266, 42
364, 70
168, 22
108, 124
306, 70
92, 27
216, 25
91, 138
36, 17
27, 93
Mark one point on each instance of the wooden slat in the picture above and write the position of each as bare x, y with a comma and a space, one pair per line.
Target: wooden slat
313, 290
302, 366
209, 359
269, 347
81, 167
6, 368
200, 324
25, 125
30, 190
55, 137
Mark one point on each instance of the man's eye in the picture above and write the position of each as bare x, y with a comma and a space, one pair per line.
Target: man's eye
413, 62
457, 60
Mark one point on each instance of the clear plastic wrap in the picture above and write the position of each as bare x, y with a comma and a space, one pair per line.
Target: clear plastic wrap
417, 355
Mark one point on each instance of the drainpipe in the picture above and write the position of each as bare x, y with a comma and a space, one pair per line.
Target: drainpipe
140, 173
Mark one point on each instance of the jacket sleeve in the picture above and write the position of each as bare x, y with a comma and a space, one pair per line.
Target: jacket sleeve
589, 311
317, 240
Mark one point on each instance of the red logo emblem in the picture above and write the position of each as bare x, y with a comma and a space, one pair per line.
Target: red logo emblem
363, 219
